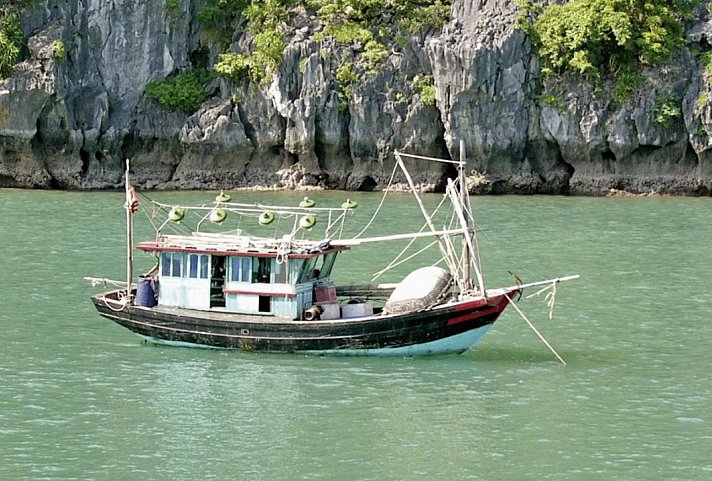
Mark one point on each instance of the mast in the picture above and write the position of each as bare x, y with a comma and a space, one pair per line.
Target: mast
463, 200
129, 236
441, 239
455, 265
461, 204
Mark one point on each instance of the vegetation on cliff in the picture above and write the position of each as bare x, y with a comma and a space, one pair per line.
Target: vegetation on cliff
364, 31
607, 39
11, 38
184, 92
595, 37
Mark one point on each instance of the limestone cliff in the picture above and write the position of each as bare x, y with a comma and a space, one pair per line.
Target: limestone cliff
69, 121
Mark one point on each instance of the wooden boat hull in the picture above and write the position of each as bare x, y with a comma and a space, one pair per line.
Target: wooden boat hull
451, 328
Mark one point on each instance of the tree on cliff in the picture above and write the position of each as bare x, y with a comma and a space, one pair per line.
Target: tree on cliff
10, 39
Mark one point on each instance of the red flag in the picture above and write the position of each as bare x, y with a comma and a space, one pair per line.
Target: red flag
132, 201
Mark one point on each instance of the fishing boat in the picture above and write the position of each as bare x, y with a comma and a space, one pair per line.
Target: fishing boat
232, 289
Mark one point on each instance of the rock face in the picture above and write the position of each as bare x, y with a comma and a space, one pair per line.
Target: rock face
69, 120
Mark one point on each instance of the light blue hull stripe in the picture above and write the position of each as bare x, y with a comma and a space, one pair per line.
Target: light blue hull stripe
449, 345
164, 342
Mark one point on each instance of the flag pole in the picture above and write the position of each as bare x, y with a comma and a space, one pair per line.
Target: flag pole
129, 236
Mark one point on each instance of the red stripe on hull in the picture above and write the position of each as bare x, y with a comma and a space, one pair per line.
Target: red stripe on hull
481, 308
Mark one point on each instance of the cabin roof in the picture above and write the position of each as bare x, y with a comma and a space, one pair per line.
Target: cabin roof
239, 245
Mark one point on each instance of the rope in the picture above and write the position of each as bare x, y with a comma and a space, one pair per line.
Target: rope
283, 250
95, 281
534, 329
383, 199
124, 300
550, 297
395, 262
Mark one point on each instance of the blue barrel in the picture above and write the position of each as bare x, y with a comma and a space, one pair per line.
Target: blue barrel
145, 294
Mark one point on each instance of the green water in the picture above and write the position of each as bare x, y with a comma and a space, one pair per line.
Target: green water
84, 399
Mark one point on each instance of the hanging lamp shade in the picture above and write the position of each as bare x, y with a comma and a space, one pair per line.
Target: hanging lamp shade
217, 216
176, 214
307, 203
266, 218
307, 221
223, 197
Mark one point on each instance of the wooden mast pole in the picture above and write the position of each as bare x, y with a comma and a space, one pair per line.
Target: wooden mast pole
463, 201
129, 235
452, 263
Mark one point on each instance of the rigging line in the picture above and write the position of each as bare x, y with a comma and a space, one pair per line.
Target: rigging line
535, 329
457, 260
331, 223
450, 190
550, 297
467, 207
403, 251
393, 263
450, 256
383, 199
434, 159
341, 227
423, 210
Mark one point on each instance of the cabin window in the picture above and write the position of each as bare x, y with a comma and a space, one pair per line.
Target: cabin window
171, 264
204, 262
262, 269
165, 264
280, 271
295, 268
240, 269
308, 270
328, 264
197, 265
176, 264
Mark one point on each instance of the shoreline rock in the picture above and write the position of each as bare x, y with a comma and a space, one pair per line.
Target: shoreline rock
69, 123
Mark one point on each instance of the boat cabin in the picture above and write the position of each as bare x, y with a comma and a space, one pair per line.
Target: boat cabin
260, 281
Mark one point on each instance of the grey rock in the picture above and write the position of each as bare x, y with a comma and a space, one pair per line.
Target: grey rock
71, 122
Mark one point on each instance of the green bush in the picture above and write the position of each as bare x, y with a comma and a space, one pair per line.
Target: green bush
627, 82
11, 39
232, 65
551, 100
348, 32
59, 52
702, 100
426, 88
435, 15
183, 92
667, 108
374, 53
217, 17
592, 37
346, 22
257, 65
706, 61
268, 53
267, 47
346, 77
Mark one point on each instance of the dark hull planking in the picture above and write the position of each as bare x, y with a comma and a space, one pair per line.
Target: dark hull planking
270, 334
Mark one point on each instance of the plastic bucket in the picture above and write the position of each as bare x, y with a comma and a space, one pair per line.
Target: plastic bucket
145, 294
